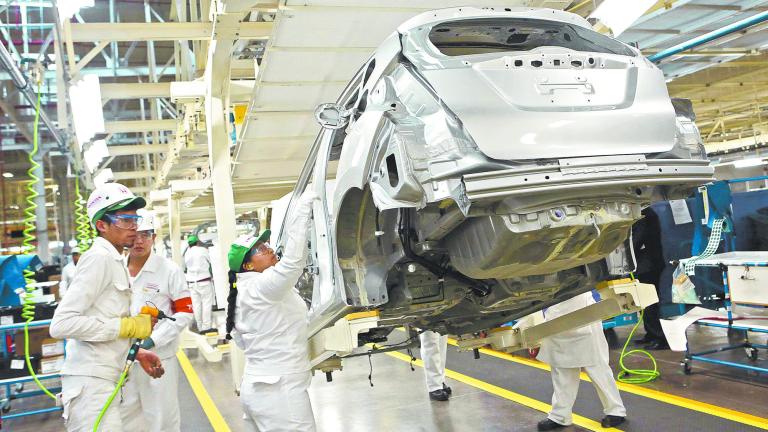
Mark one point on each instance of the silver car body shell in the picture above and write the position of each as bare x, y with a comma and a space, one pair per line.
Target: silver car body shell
568, 155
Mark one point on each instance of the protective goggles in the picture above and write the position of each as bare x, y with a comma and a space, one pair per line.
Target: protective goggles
125, 221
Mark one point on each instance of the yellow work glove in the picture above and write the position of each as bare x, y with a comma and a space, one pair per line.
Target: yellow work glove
139, 326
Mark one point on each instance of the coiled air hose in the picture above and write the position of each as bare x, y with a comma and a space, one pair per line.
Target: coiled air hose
636, 376
28, 310
82, 225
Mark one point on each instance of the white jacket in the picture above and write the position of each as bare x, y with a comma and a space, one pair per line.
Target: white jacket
271, 320
198, 263
581, 347
89, 315
161, 282
67, 275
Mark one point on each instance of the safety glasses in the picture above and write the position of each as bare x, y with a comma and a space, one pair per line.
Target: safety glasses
125, 221
144, 235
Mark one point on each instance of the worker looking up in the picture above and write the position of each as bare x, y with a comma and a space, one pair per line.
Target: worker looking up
95, 318
433, 350
68, 272
198, 263
147, 404
270, 320
567, 353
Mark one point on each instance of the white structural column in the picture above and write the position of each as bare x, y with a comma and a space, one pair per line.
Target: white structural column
41, 216
226, 29
174, 228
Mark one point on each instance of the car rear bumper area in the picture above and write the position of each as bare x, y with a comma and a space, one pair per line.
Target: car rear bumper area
573, 174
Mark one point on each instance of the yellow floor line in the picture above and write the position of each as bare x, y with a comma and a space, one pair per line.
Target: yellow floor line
214, 416
506, 394
714, 410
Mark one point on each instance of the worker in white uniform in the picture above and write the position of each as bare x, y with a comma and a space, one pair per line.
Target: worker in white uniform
153, 404
95, 316
68, 272
568, 353
268, 320
198, 263
434, 347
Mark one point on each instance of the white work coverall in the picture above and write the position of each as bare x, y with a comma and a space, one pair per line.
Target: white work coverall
198, 263
89, 318
568, 352
271, 327
67, 275
433, 351
153, 404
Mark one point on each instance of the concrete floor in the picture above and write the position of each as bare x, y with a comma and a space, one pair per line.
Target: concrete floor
398, 400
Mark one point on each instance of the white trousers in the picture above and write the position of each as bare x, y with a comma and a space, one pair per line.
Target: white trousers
202, 302
433, 350
152, 404
281, 405
566, 384
83, 397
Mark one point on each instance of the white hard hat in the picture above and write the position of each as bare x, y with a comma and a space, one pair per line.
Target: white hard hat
112, 197
147, 221
75, 250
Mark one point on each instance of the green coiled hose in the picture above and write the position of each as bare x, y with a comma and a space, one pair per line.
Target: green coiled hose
82, 226
636, 376
28, 310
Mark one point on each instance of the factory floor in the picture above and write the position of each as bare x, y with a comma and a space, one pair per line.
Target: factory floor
497, 392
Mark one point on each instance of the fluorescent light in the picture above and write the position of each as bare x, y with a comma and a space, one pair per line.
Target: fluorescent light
67, 8
49, 204
751, 162
619, 15
8, 174
85, 99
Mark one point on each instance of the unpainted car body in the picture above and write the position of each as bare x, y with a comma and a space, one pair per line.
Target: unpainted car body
491, 161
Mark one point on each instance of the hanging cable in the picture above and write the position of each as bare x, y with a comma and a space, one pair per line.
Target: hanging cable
636, 376
28, 310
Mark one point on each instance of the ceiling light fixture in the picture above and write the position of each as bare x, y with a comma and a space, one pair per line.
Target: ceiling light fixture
619, 15
751, 162
8, 174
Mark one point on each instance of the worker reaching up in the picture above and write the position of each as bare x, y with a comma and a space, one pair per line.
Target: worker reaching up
268, 320
95, 318
153, 404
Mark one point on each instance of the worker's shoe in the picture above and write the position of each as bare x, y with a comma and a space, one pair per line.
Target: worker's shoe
657, 346
548, 425
611, 421
440, 395
447, 389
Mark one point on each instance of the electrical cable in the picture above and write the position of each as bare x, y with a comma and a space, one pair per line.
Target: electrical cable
28, 309
636, 376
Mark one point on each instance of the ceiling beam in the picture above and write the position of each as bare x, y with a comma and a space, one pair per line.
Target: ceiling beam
137, 149
137, 126
168, 31
239, 90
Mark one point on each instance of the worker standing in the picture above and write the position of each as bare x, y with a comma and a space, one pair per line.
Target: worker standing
198, 263
567, 353
68, 272
268, 319
434, 347
153, 404
95, 318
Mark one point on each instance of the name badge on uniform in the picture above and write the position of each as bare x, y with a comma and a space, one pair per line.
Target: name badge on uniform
151, 288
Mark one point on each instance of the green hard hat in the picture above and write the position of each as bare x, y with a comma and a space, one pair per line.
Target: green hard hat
192, 240
241, 246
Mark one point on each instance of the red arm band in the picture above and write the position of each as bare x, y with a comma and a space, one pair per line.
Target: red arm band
182, 305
